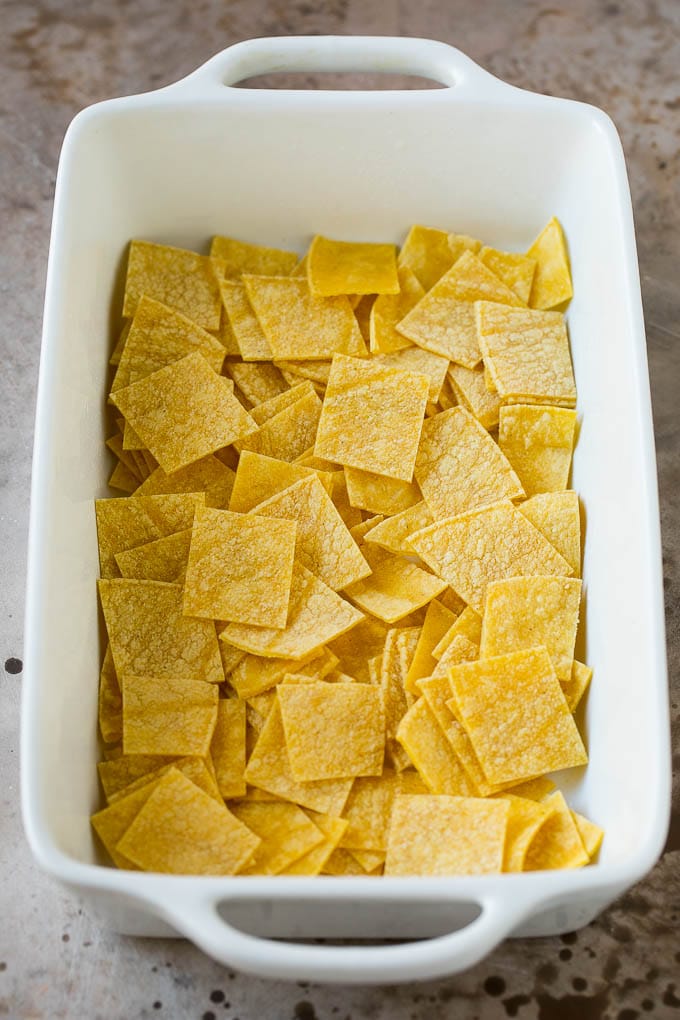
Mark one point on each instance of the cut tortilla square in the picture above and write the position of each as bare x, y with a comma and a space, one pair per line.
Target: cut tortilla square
257, 380
391, 679
358, 646
371, 417
525, 818
427, 253
110, 702
195, 769
167, 715
120, 343
389, 309
577, 684
323, 544
164, 559
538, 441
122, 524
316, 615
288, 434
228, 747
313, 371
300, 326
208, 475
258, 478
437, 764
394, 589
126, 458
173, 511
346, 267
552, 281
523, 612
184, 412
513, 268
467, 625
461, 649
446, 836
590, 833
119, 774
379, 494
251, 341
149, 635
313, 862
181, 830
516, 716
558, 843
368, 811
333, 731
176, 277
438, 620
285, 831
471, 392
485, 545
557, 516
254, 674
460, 243
415, 359
393, 533
460, 467
240, 568
242, 257
112, 822
263, 412
444, 321
527, 354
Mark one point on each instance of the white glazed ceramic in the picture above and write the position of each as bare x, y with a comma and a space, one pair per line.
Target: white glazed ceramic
479, 157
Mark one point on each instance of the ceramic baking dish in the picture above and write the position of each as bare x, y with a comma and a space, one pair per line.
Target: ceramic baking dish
477, 156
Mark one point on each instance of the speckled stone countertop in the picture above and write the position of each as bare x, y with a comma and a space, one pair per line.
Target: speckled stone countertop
57, 56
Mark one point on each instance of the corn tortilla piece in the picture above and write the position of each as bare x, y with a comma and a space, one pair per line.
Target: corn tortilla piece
168, 715
368, 811
254, 674
164, 559
359, 530
393, 532
181, 830
122, 524
323, 543
269, 769
358, 646
468, 624
225, 334
313, 862
316, 615
577, 684
113, 821
389, 309
160, 335
285, 831
516, 716
345, 267
110, 702
407, 642
118, 774
514, 269
131, 439
341, 863
460, 467
552, 280
312, 371
538, 441
243, 257
258, 478
208, 475
333, 731
123, 480
525, 818
370, 860
427, 253
484, 545
438, 620
415, 359
590, 833
126, 457
176, 277
558, 843
183, 412
533, 789
288, 434
444, 320
251, 341
173, 511
257, 380
351, 515
527, 354
395, 701
460, 243
120, 343
557, 516
395, 589
149, 635
430, 752
228, 747
461, 649
470, 390
446, 835
410, 782
378, 494
371, 417
240, 568
195, 769
263, 412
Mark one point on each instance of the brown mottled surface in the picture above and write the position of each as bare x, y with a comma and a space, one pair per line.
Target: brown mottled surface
56, 57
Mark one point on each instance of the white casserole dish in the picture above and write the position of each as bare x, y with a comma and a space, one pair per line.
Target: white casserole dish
478, 156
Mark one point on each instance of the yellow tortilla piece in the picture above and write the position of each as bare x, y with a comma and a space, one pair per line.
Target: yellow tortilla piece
407, 642
557, 843
460, 467
251, 341
552, 281
513, 268
240, 568
538, 441
258, 478
164, 559
257, 380
371, 417
465, 836
181, 830
149, 635
523, 612
379, 494
460, 243
393, 533
372, 861
285, 831
120, 343
343, 862
427, 253
323, 544
485, 545
557, 516
243, 257
228, 747
471, 392
263, 412
461, 649
389, 309
368, 811
532, 789
208, 475
358, 646
195, 769
288, 434
576, 685
437, 764
167, 715
110, 702
300, 326
313, 862
112, 822
255, 674
438, 620
394, 589
468, 624
444, 320
346, 267
516, 716
269, 769
525, 818
184, 412
312, 371
118, 774
527, 354
590, 833
122, 524
390, 677
333, 731
126, 458
415, 359
316, 615
176, 277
